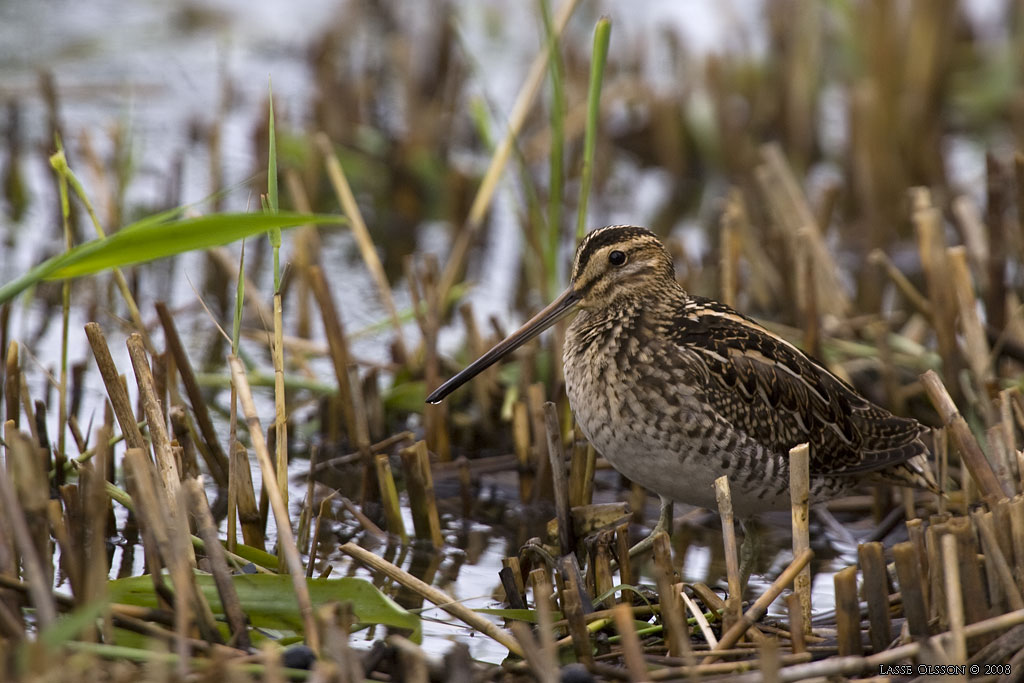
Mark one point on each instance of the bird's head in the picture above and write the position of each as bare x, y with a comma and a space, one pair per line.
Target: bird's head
613, 265
617, 263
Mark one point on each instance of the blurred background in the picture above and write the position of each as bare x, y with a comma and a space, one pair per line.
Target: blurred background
164, 104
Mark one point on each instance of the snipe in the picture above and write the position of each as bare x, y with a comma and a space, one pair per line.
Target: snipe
675, 390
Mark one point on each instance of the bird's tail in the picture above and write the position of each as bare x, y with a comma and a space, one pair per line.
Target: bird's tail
915, 472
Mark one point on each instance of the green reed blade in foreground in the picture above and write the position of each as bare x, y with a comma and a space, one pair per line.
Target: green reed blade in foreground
269, 599
602, 36
148, 240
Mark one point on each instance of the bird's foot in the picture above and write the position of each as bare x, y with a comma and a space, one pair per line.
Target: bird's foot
750, 551
664, 524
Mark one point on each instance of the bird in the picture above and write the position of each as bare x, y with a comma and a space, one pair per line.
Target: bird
676, 390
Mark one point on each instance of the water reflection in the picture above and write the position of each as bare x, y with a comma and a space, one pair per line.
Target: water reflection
499, 525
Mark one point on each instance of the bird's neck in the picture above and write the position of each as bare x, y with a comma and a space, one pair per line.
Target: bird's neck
642, 307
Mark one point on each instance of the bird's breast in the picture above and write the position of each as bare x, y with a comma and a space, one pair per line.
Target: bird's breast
641, 400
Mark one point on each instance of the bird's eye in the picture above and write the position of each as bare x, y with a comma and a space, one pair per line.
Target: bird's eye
616, 258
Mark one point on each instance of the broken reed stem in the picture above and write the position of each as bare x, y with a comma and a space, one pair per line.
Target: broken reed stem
906, 287
533, 653
876, 593
954, 599
364, 522
931, 245
515, 573
543, 605
732, 565
35, 572
435, 596
799, 493
389, 498
622, 553
244, 497
792, 213
420, 487
996, 560
600, 571
698, 616
908, 571
155, 418
207, 530
166, 539
115, 389
973, 457
976, 343
194, 393
572, 594
677, 635
556, 455
314, 536
761, 605
795, 610
280, 411
286, 548
362, 236
12, 383
521, 446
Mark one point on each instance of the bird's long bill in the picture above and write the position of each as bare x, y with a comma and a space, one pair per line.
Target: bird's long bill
534, 326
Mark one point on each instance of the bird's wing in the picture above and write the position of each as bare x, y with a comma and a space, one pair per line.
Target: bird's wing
781, 397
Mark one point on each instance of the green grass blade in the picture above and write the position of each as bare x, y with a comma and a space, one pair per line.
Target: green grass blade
272, 159
557, 162
149, 240
602, 36
272, 199
236, 321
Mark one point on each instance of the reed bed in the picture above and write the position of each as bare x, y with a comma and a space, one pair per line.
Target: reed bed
905, 282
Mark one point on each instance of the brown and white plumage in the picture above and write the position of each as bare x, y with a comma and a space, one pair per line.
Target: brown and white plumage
676, 390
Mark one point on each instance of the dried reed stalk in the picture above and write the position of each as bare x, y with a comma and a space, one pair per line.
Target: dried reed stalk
362, 236
155, 419
732, 565
489, 183
799, 493
761, 605
286, 547
876, 593
116, 391
435, 596
677, 635
970, 451
37, 574
420, 486
629, 644
556, 454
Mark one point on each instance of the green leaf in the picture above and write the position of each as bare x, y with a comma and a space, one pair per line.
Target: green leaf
256, 556
154, 238
269, 600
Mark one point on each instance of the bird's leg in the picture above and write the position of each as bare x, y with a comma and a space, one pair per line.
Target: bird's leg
664, 524
750, 550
